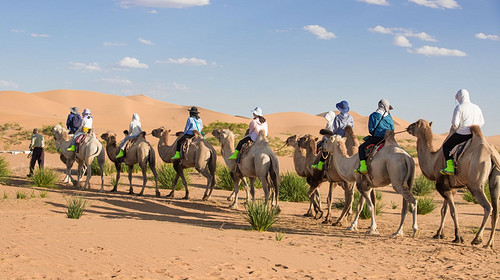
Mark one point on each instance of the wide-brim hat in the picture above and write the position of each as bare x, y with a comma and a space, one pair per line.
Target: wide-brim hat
193, 110
74, 110
257, 111
343, 106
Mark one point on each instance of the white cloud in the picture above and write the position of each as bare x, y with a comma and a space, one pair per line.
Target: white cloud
113, 44
132, 62
40, 35
164, 3
487, 37
180, 87
115, 80
17, 31
402, 31
146, 42
8, 84
401, 41
375, 2
154, 12
320, 32
185, 61
94, 66
435, 51
437, 4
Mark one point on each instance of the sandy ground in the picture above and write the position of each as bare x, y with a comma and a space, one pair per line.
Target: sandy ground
129, 237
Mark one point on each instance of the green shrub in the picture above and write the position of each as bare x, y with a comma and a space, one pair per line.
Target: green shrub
166, 176
425, 205
293, 188
260, 216
238, 129
109, 168
21, 195
394, 204
5, 196
470, 198
423, 186
4, 170
225, 182
50, 146
44, 178
32, 194
43, 194
75, 207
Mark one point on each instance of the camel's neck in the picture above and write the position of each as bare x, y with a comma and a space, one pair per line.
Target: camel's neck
112, 150
310, 153
299, 160
227, 148
164, 150
344, 164
427, 157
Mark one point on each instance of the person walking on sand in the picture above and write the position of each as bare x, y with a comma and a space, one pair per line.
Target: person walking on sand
194, 122
37, 153
465, 115
335, 124
378, 123
85, 127
74, 120
257, 124
134, 130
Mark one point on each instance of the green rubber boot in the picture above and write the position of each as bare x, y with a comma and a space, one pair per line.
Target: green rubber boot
234, 155
450, 168
120, 154
176, 156
71, 149
363, 169
318, 166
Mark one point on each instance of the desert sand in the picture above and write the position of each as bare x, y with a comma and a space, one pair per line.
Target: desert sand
128, 237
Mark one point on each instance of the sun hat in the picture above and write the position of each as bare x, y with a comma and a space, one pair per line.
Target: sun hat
193, 110
257, 111
343, 106
74, 110
86, 112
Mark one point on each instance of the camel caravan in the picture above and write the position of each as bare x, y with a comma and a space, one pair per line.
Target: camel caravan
465, 160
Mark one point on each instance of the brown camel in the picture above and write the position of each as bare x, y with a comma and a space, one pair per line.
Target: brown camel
89, 149
259, 162
140, 152
478, 163
200, 155
391, 165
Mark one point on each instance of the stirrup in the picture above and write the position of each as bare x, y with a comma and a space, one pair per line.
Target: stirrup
447, 172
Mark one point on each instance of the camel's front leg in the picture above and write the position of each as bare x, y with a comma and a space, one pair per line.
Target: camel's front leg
371, 208
440, 232
131, 189
180, 172
329, 201
313, 195
144, 177
454, 216
236, 186
76, 183
118, 166
348, 198
361, 204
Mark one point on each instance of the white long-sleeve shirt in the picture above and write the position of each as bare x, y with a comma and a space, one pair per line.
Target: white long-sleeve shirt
466, 114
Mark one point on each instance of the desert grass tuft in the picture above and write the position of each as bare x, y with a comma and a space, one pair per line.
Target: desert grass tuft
425, 205
44, 178
4, 170
76, 206
260, 216
21, 195
43, 194
293, 188
470, 198
423, 186
166, 176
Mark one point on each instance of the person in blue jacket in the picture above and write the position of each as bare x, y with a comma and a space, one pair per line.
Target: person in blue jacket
378, 123
193, 123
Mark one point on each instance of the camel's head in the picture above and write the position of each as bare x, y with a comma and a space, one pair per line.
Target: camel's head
307, 141
109, 137
221, 134
159, 132
417, 126
334, 141
292, 140
58, 131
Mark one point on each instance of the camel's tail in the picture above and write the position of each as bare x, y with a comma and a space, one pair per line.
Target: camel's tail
274, 173
152, 158
212, 164
495, 157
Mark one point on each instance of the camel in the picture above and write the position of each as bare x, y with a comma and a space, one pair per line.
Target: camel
140, 152
391, 165
259, 162
200, 155
89, 149
478, 163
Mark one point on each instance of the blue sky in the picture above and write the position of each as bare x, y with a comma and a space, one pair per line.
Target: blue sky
233, 55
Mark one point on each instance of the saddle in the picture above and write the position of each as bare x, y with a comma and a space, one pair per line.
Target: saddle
78, 140
244, 151
130, 143
370, 152
458, 151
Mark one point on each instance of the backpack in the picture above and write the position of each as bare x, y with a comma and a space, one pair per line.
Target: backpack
76, 122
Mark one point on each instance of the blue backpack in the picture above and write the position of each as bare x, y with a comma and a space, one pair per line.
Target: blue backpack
76, 121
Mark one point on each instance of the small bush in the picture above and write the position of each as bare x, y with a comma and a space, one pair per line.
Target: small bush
5, 195
279, 236
108, 168
4, 170
44, 178
166, 176
76, 207
21, 195
33, 194
43, 194
394, 204
422, 186
225, 182
260, 216
293, 188
365, 214
425, 205
470, 198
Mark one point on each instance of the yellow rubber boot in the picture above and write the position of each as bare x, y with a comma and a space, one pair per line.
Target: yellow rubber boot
450, 168
71, 149
234, 155
363, 169
318, 166
176, 156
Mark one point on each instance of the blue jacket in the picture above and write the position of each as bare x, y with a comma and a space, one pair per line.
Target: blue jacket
193, 124
386, 124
